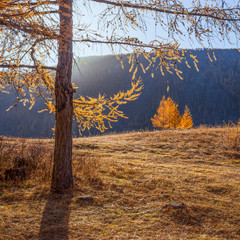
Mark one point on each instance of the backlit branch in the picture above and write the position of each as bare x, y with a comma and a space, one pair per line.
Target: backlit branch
39, 3
27, 28
132, 42
27, 66
200, 12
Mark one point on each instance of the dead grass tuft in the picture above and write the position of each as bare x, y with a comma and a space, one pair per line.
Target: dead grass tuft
216, 189
180, 215
23, 160
231, 139
87, 169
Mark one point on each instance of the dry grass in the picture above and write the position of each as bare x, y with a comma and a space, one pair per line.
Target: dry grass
29, 156
131, 178
231, 140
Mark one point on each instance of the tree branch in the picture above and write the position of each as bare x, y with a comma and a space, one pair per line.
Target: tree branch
34, 3
27, 66
161, 10
24, 14
27, 29
131, 44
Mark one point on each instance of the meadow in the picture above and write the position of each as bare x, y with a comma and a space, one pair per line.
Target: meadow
171, 184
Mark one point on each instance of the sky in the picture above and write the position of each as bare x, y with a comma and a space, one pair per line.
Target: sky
153, 32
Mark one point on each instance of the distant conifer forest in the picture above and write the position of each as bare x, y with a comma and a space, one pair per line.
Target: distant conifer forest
212, 93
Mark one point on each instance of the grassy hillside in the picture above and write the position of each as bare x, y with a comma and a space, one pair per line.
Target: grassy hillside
145, 185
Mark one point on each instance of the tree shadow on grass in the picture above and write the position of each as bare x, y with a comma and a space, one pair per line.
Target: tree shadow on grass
55, 218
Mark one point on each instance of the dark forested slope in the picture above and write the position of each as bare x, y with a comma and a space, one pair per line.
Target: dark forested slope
212, 94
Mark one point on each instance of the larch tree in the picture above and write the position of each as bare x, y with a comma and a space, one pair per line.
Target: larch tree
168, 115
186, 120
33, 32
160, 119
174, 116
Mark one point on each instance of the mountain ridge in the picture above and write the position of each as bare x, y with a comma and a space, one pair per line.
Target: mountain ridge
212, 94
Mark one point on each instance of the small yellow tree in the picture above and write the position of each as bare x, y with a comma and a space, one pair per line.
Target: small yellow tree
167, 115
186, 121
160, 119
174, 116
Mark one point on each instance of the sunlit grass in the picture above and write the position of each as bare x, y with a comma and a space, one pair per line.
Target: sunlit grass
131, 177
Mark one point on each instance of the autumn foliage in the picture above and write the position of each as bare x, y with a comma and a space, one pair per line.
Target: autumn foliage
168, 116
35, 33
186, 121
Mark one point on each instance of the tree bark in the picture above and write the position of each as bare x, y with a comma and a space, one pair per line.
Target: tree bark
62, 168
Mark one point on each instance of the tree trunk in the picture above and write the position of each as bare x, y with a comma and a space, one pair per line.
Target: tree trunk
62, 168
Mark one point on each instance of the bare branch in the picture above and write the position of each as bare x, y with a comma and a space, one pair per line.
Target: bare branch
27, 66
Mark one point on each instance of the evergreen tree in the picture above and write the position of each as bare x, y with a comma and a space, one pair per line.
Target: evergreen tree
186, 121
